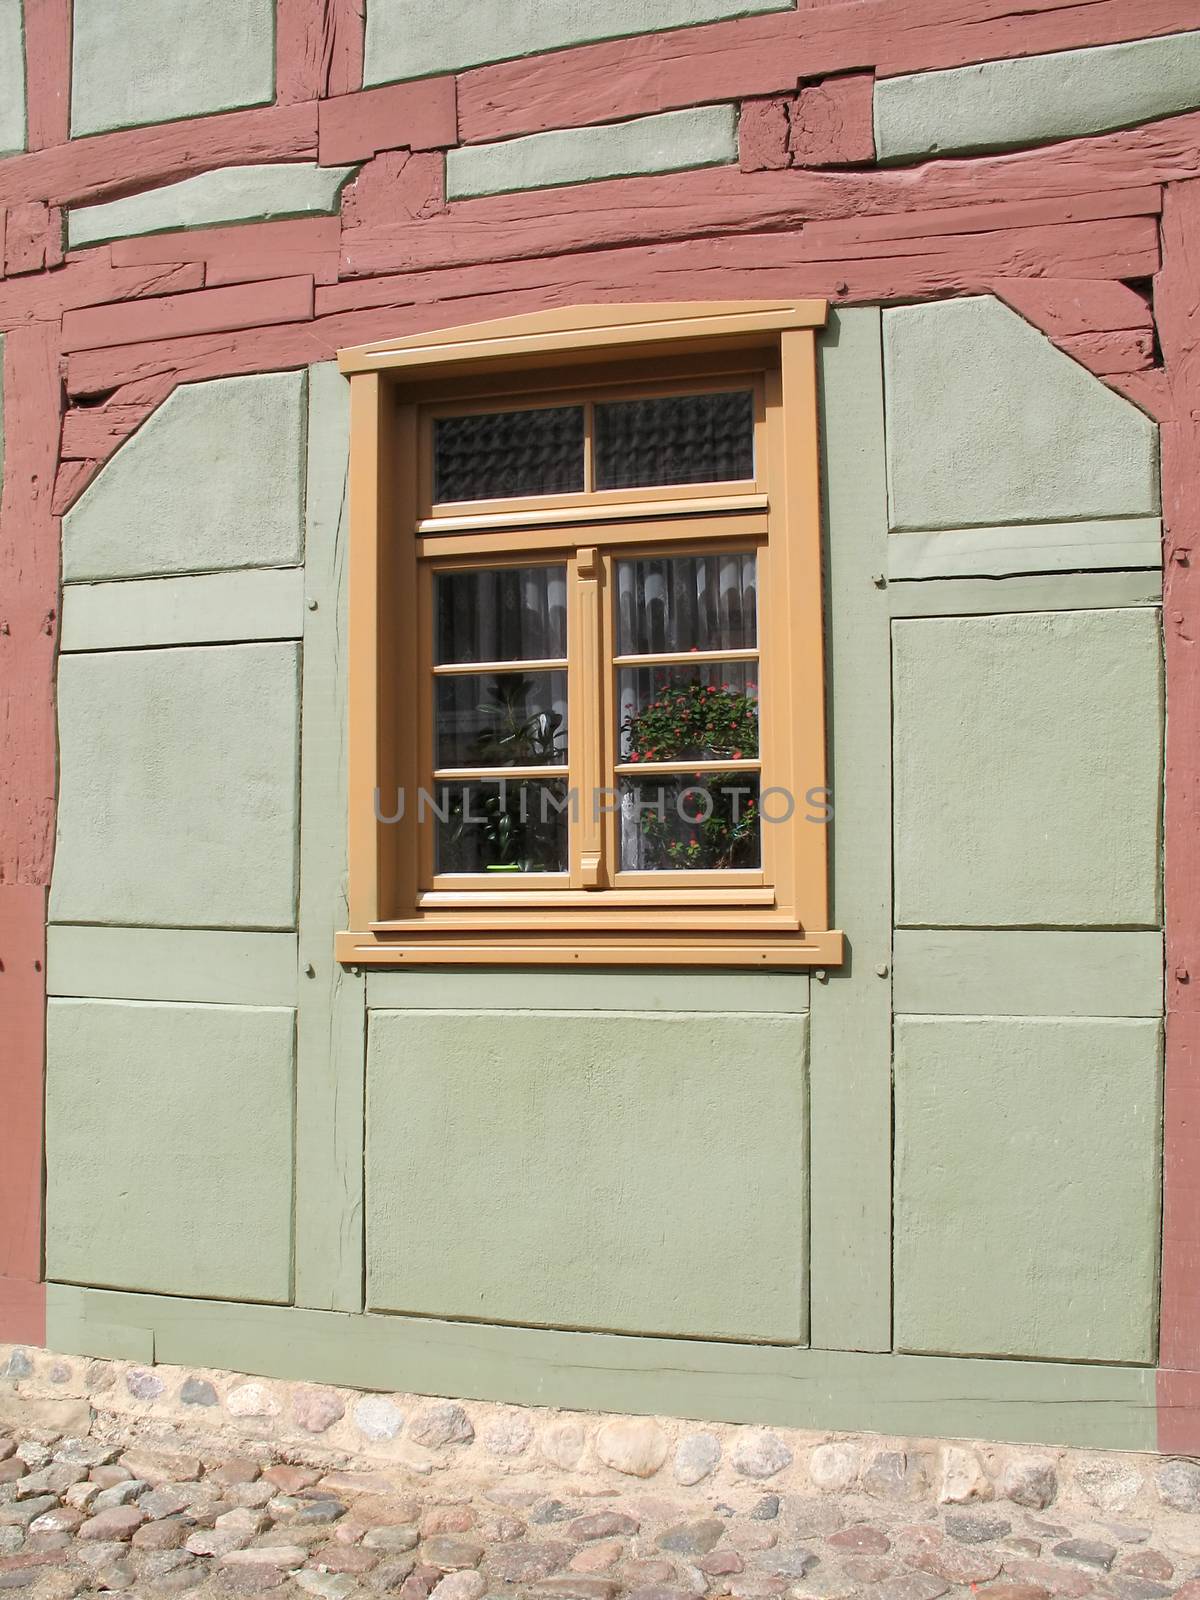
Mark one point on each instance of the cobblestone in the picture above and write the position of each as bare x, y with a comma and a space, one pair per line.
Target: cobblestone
83, 1516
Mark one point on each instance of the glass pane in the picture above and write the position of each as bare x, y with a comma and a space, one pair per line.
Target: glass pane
702, 822
681, 603
703, 713
497, 455
505, 719
689, 438
501, 614
497, 826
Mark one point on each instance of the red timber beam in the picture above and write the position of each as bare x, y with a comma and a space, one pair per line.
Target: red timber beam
29, 534
1177, 298
769, 55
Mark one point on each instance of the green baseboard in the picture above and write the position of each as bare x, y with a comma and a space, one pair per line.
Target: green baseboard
1101, 1407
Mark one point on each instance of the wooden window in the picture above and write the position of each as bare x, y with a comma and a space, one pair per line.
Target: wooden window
586, 663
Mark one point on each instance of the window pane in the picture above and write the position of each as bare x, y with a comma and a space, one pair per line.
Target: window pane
501, 614
681, 603
506, 719
702, 822
497, 455
704, 713
488, 825
691, 438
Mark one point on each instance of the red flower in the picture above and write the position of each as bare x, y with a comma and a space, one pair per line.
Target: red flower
737, 755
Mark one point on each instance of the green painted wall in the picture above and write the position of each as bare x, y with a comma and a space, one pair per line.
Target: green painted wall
234, 447
169, 1147
219, 607
12, 77
1027, 1192
178, 803
637, 1173
1002, 104
990, 426
226, 194
410, 39
138, 61
706, 1158
1028, 757
1052, 1402
705, 136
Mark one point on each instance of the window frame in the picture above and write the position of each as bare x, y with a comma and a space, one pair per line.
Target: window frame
773, 916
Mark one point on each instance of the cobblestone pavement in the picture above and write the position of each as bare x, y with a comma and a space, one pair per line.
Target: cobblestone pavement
82, 1516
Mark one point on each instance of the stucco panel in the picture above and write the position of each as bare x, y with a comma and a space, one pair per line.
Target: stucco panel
179, 788
226, 194
1027, 1186
1028, 769
412, 39
1000, 104
705, 136
12, 78
168, 1127
635, 1172
214, 479
139, 61
988, 423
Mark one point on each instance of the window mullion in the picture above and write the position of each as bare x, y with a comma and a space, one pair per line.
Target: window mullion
585, 676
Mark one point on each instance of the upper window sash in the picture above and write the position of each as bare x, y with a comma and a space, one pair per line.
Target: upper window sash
666, 498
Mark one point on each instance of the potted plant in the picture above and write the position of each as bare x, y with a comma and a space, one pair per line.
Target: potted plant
697, 721
514, 835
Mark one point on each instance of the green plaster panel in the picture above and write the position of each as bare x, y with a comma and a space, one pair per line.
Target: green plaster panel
1027, 972
1067, 591
1027, 1186
568, 989
638, 1172
704, 136
987, 424
178, 803
139, 61
213, 480
169, 1147
86, 1335
851, 1086
331, 1025
1002, 104
1028, 770
1123, 542
1051, 1403
12, 77
412, 39
205, 964
227, 194
212, 608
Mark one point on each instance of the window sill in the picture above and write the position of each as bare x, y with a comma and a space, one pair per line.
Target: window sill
437, 947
